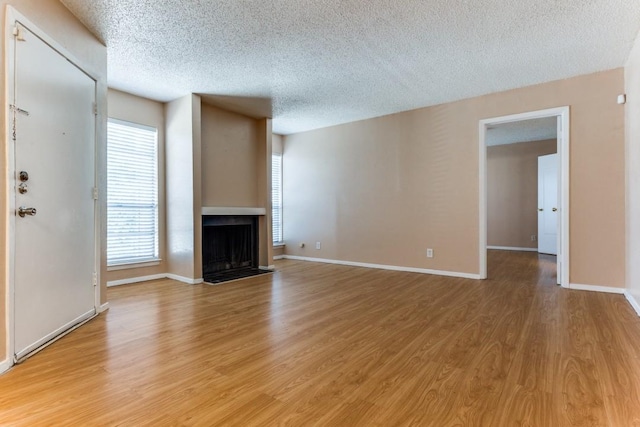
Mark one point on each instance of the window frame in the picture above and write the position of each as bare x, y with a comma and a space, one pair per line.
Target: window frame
137, 261
277, 206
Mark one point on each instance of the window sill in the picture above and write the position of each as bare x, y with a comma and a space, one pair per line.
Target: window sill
140, 264
279, 245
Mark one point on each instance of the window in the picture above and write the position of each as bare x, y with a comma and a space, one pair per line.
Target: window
132, 193
276, 196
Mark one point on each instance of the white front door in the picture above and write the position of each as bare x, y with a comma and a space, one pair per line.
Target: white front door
54, 150
548, 203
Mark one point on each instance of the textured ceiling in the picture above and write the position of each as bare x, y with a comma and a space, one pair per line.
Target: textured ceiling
522, 131
316, 63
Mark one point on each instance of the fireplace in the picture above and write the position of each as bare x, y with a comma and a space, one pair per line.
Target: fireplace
229, 247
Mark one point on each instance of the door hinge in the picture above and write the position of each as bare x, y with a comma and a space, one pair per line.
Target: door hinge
17, 109
95, 279
95, 193
95, 109
17, 33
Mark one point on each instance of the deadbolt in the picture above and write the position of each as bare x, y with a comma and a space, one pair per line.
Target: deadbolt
24, 176
22, 211
555, 209
22, 188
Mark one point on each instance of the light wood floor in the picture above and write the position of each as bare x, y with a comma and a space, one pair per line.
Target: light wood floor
320, 344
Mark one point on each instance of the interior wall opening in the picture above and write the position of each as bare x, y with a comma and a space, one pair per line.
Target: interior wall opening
524, 188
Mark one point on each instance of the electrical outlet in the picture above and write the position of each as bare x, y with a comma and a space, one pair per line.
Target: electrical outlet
534, 237
429, 253
318, 245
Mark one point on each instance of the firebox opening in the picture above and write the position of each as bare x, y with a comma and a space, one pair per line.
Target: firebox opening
229, 247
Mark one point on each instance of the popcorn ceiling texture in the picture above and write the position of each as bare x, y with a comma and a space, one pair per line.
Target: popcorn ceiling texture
316, 63
522, 131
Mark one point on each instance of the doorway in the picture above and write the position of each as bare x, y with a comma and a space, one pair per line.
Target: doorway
561, 116
52, 140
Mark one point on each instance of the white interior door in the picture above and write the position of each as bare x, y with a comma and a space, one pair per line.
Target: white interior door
548, 203
54, 255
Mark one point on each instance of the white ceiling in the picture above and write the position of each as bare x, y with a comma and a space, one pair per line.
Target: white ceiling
316, 63
522, 131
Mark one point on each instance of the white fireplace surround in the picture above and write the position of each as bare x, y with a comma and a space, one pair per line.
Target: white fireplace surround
228, 210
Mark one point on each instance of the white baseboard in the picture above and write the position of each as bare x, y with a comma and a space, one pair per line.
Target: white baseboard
269, 268
104, 307
5, 365
136, 279
595, 288
632, 301
387, 267
183, 279
277, 257
512, 248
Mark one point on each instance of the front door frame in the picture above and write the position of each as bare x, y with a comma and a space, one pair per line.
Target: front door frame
562, 113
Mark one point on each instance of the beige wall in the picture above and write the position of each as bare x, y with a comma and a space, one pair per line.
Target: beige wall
229, 159
125, 106
277, 144
386, 189
56, 21
278, 251
632, 109
512, 192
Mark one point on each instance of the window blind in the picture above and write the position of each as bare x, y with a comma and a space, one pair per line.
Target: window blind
132, 193
276, 197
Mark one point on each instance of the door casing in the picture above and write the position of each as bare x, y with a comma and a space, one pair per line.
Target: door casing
562, 113
13, 16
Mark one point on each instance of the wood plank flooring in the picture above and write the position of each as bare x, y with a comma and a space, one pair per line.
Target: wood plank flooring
317, 344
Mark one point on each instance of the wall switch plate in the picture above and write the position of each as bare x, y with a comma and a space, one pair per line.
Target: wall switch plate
429, 253
318, 245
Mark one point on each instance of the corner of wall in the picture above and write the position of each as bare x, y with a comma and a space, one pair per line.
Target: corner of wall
632, 166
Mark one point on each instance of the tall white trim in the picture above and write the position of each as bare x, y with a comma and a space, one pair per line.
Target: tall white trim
595, 288
386, 267
512, 248
139, 279
632, 301
5, 365
130, 280
563, 152
183, 279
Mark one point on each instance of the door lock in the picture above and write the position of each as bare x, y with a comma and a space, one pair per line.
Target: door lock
24, 176
22, 188
22, 211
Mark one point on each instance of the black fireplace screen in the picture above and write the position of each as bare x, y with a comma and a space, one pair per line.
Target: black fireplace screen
228, 243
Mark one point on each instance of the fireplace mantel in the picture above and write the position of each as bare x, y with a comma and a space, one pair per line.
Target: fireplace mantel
228, 210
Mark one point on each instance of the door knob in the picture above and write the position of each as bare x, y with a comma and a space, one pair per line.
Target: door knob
22, 211
555, 209
540, 209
